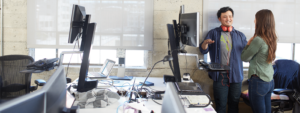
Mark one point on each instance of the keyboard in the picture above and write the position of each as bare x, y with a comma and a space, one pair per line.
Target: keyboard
218, 67
43, 64
214, 66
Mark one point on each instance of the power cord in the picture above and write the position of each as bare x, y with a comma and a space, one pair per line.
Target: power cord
169, 53
192, 105
156, 102
206, 104
72, 53
120, 106
185, 63
194, 72
154, 90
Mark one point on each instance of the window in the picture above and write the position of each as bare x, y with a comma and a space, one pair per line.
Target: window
284, 51
297, 53
44, 53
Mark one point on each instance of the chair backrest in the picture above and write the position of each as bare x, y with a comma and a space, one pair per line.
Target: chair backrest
12, 82
286, 74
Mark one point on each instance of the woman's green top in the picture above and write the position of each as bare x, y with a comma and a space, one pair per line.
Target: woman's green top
257, 53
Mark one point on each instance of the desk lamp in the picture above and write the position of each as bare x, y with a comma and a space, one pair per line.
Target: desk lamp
166, 58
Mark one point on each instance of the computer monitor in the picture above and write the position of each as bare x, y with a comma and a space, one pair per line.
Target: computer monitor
186, 32
30, 103
55, 90
189, 29
80, 21
77, 19
107, 67
83, 84
175, 65
171, 100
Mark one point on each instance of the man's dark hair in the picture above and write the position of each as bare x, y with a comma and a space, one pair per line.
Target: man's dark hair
223, 10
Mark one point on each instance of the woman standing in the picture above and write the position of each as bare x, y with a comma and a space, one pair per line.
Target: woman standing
260, 51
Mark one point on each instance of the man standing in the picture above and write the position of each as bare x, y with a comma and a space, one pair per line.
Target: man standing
225, 45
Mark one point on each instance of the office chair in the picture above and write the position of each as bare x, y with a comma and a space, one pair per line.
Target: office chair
286, 79
12, 82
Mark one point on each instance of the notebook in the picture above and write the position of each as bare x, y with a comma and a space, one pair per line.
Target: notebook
104, 71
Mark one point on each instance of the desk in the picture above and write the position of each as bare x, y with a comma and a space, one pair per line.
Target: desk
158, 85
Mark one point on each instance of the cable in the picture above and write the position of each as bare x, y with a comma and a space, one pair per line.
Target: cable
72, 54
185, 63
79, 46
148, 91
126, 83
150, 72
193, 105
156, 102
120, 105
169, 53
209, 100
194, 72
153, 89
228, 57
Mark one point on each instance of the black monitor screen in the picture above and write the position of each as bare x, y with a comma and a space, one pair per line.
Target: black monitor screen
77, 19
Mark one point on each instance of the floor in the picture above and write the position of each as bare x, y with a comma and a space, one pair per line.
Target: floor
244, 108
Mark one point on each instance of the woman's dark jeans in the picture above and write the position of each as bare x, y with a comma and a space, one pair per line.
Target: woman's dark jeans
260, 95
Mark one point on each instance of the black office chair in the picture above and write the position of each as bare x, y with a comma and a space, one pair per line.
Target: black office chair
286, 77
12, 82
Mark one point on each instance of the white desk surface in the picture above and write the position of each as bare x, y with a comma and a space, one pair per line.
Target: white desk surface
158, 85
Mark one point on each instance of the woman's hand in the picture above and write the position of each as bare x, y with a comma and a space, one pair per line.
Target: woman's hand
249, 42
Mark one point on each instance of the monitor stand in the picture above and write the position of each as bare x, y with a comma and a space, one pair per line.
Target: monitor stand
87, 38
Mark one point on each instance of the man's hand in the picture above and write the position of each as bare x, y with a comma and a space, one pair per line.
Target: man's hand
206, 42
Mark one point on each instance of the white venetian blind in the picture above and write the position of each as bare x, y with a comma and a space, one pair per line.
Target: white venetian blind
124, 24
286, 13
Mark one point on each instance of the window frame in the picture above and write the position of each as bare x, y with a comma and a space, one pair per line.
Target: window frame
32, 54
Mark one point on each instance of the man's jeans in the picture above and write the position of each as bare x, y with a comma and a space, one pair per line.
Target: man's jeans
222, 92
260, 95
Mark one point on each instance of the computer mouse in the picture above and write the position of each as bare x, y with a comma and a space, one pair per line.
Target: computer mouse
74, 86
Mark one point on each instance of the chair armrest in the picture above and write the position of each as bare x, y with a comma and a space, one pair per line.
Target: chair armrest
283, 91
40, 82
32, 88
69, 80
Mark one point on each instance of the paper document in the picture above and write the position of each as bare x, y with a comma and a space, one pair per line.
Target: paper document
121, 72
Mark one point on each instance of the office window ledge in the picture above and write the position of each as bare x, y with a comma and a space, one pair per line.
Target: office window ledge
115, 67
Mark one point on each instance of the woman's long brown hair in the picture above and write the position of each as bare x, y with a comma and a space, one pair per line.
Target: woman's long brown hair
265, 28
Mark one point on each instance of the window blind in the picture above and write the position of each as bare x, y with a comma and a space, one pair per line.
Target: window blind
126, 24
286, 14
